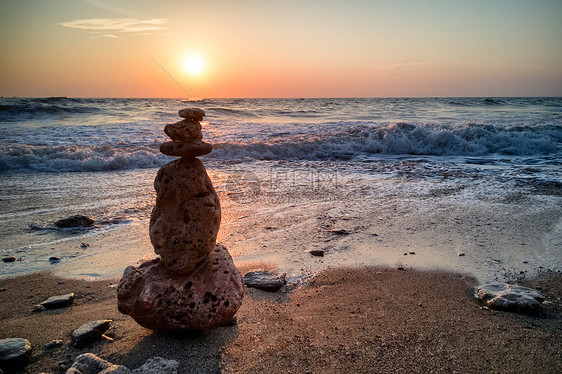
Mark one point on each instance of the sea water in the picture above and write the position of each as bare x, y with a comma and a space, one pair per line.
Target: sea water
303, 162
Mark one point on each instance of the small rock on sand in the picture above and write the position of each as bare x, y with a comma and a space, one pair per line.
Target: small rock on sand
14, 353
264, 280
158, 365
89, 363
53, 344
75, 221
89, 332
9, 259
60, 301
510, 297
317, 252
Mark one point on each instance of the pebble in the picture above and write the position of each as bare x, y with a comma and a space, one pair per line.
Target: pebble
39, 308
14, 353
317, 252
53, 344
339, 232
400, 268
89, 332
9, 259
84, 245
60, 301
461, 254
264, 280
54, 259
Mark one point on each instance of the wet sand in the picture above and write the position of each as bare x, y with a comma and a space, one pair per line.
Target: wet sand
344, 320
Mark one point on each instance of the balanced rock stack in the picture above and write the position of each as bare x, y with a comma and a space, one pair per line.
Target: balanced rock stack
194, 284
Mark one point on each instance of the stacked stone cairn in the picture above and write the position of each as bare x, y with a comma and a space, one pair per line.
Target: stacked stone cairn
194, 284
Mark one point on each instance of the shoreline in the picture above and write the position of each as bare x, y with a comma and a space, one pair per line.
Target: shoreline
343, 320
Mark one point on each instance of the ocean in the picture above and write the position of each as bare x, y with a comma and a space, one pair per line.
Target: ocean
362, 179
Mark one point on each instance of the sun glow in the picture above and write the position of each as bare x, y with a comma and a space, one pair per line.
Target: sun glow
193, 65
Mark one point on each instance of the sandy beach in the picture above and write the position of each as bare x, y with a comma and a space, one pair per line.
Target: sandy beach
364, 320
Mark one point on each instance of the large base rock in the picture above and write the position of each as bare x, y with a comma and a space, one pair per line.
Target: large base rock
203, 300
186, 218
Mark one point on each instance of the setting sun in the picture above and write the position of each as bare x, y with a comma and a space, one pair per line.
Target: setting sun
193, 65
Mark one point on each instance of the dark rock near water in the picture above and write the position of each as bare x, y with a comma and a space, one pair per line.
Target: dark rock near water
264, 280
75, 221
61, 301
9, 259
54, 259
203, 300
14, 353
89, 333
510, 297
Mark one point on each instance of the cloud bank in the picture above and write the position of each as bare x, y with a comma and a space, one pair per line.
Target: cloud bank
129, 25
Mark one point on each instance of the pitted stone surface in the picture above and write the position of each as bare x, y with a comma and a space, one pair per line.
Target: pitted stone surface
192, 113
203, 300
184, 130
510, 297
188, 150
186, 218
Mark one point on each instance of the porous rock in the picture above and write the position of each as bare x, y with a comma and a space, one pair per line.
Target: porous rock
264, 280
60, 301
510, 297
158, 365
186, 218
14, 353
74, 221
162, 300
184, 130
89, 332
192, 113
189, 150
88, 363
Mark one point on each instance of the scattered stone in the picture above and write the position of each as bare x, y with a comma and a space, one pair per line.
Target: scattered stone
14, 353
3, 289
412, 253
75, 221
317, 252
461, 254
54, 260
265, 280
401, 268
158, 365
61, 301
54, 344
510, 297
89, 363
84, 245
39, 308
405, 253
9, 259
89, 332
192, 113
339, 232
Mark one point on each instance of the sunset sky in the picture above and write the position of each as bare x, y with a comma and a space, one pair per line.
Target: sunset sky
261, 48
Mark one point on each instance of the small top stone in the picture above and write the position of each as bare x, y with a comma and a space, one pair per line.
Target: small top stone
192, 113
